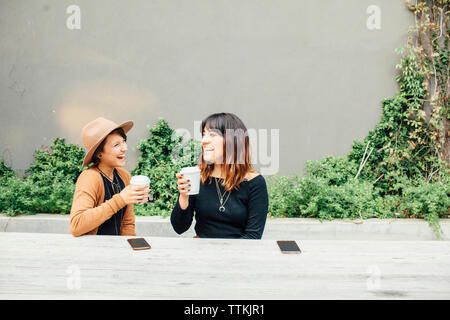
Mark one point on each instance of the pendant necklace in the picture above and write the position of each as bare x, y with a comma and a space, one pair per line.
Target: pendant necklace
221, 196
114, 185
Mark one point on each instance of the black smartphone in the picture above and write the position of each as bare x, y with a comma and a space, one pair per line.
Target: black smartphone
288, 246
139, 244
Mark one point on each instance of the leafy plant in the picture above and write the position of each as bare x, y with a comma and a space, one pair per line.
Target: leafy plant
335, 170
61, 162
430, 201
49, 183
313, 196
6, 172
162, 155
284, 196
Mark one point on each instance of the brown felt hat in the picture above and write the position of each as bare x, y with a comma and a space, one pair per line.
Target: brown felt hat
96, 131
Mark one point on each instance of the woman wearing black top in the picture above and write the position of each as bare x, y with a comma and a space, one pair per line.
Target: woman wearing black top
233, 200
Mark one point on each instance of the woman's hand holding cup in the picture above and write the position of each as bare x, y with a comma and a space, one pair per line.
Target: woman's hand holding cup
183, 187
188, 184
133, 194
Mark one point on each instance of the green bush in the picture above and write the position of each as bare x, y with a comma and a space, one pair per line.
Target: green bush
60, 162
284, 196
49, 183
335, 170
5, 171
23, 196
430, 201
313, 196
162, 155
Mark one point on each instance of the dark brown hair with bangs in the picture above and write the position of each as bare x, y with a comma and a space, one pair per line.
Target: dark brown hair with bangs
236, 149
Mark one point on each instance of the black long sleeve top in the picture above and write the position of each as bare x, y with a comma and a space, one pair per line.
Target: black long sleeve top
244, 216
113, 224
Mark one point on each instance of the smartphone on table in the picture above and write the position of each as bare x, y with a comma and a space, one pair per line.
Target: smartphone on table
288, 246
139, 244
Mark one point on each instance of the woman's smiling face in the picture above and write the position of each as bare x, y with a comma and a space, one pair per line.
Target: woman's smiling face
212, 143
114, 150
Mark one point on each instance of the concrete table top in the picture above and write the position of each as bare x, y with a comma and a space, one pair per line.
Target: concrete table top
60, 266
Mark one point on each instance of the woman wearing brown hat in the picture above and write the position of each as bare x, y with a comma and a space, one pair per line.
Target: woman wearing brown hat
103, 199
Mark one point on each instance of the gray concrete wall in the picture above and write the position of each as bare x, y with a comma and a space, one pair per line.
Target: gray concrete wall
311, 69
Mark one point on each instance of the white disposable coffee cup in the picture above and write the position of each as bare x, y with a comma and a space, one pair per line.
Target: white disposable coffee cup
193, 175
140, 181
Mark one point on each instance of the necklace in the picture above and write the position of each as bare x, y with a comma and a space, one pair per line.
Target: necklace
104, 174
221, 196
114, 185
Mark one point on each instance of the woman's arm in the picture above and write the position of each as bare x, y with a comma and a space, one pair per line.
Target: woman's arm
180, 219
128, 227
258, 204
128, 222
84, 215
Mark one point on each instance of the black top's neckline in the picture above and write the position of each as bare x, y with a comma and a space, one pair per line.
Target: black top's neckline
245, 179
104, 175
112, 225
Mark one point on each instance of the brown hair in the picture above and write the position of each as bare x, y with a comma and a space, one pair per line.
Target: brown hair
95, 159
236, 149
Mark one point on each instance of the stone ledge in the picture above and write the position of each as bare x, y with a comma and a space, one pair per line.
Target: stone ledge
276, 228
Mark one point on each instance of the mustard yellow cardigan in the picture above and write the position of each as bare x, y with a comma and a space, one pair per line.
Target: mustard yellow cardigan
88, 209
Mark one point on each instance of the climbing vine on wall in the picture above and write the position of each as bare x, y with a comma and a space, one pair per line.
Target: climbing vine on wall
429, 42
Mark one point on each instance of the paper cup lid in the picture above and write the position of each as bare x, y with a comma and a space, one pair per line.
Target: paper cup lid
190, 170
140, 180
